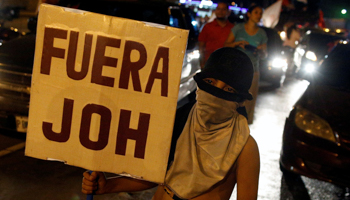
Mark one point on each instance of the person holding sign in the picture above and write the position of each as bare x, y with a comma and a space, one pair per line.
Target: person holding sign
214, 151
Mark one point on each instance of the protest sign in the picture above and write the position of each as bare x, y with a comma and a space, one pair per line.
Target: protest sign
104, 92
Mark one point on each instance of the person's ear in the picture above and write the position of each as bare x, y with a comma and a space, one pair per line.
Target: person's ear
228, 13
248, 14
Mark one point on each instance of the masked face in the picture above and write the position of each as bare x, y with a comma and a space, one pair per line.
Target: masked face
220, 84
213, 109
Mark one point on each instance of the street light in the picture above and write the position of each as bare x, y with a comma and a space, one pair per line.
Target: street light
343, 11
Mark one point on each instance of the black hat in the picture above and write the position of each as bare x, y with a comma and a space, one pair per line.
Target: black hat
231, 66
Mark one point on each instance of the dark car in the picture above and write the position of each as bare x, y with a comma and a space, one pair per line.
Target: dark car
17, 55
314, 45
316, 138
8, 33
273, 67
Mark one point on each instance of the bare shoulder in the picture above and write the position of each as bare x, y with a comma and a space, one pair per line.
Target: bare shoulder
251, 144
249, 150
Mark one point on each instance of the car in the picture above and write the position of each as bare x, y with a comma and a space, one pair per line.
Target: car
274, 66
314, 45
9, 33
17, 55
316, 137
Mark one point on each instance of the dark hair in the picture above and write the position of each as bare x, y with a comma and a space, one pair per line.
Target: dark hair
227, 5
251, 8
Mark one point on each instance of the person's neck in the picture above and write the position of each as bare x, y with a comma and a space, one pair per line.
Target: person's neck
221, 22
251, 25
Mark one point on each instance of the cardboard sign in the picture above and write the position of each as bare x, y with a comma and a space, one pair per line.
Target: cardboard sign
104, 92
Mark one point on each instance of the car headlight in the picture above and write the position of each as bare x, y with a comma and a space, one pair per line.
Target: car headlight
313, 124
310, 68
311, 55
278, 63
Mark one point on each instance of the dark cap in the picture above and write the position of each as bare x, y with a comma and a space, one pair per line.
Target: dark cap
231, 66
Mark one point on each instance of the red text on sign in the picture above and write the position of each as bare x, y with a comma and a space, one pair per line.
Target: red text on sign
124, 132
129, 69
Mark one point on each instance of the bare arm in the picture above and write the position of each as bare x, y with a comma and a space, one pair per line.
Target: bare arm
248, 168
98, 184
230, 42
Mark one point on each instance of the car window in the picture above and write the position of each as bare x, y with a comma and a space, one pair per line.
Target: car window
322, 41
176, 18
335, 70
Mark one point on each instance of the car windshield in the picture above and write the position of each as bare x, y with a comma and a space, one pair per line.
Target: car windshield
335, 70
322, 42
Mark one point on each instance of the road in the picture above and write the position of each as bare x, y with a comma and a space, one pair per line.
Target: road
25, 178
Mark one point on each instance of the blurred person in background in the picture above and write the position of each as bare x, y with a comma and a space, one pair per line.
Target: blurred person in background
250, 39
290, 43
214, 34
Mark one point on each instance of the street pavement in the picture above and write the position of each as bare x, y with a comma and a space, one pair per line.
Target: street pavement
25, 178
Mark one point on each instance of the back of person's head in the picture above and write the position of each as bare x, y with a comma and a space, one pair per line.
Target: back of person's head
231, 66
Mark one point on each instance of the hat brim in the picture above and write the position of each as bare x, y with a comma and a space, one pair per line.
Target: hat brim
238, 97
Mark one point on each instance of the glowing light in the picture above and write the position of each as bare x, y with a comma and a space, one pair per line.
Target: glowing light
326, 30
283, 35
193, 55
300, 51
311, 55
344, 11
279, 63
206, 3
338, 30
194, 23
186, 70
309, 68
